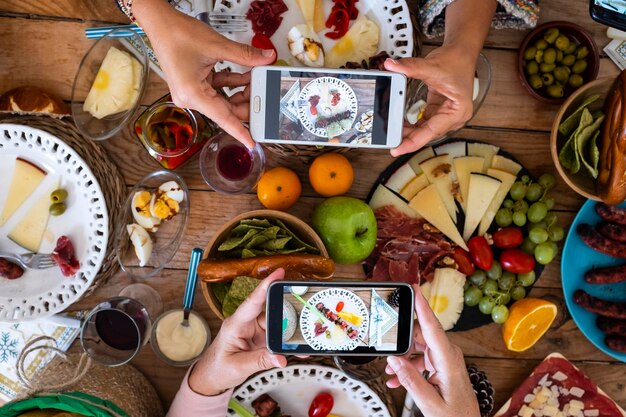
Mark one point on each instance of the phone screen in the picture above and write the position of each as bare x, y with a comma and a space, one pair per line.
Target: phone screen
609, 12
618, 6
340, 319
327, 107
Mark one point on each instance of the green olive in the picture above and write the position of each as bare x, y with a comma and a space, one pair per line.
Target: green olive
546, 67
576, 80
547, 78
570, 49
535, 81
57, 209
539, 56
532, 68
530, 53
579, 66
582, 52
58, 195
562, 42
549, 56
555, 91
559, 57
568, 60
551, 35
561, 74
541, 44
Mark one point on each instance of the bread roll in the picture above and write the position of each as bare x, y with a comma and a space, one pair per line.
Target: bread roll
32, 100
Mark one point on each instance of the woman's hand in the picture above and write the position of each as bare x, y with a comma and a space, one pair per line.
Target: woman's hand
239, 350
448, 391
449, 75
187, 50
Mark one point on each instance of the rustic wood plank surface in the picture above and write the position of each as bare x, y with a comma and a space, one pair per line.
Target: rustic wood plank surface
42, 44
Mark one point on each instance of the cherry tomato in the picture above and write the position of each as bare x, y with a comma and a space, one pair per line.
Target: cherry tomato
517, 261
508, 237
481, 252
339, 306
463, 261
322, 405
261, 41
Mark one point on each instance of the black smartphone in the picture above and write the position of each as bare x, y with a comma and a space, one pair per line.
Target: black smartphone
609, 12
339, 318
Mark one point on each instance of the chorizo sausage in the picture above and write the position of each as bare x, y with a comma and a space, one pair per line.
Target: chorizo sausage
613, 231
596, 241
599, 306
612, 326
10, 270
611, 213
608, 275
617, 343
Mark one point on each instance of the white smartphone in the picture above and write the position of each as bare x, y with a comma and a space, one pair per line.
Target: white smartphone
336, 107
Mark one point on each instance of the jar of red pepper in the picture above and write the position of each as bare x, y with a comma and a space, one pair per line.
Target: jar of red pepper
171, 134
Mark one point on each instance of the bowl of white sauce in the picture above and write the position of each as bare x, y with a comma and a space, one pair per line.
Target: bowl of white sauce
179, 345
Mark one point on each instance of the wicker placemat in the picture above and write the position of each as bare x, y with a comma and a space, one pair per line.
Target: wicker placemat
377, 385
103, 168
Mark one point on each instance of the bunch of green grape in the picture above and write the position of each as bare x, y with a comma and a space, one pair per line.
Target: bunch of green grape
529, 206
492, 290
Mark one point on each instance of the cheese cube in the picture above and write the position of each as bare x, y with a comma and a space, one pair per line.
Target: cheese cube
576, 392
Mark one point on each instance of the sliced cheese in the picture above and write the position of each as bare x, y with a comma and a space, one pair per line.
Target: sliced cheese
429, 205
454, 149
319, 19
507, 182
307, 7
438, 170
464, 166
29, 231
419, 157
414, 186
482, 149
482, 190
384, 197
400, 178
505, 164
26, 178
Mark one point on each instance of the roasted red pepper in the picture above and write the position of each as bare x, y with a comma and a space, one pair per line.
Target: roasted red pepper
339, 19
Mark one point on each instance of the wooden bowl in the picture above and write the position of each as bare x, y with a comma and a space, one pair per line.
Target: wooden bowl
572, 31
299, 227
580, 182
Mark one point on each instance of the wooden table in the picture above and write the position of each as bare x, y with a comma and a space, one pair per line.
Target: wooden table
42, 42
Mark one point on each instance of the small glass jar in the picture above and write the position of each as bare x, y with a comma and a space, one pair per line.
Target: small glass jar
171, 134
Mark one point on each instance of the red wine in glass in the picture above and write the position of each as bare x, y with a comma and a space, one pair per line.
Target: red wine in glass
234, 162
117, 330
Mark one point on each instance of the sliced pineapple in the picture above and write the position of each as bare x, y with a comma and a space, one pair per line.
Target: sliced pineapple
446, 296
359, 43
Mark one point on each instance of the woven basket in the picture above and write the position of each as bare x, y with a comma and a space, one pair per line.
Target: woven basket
103, 168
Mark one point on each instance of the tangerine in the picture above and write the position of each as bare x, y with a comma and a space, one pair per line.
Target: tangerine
528, 320
279, 188
331, 174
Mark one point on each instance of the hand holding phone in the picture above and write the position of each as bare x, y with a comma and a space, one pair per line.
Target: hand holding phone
349, 318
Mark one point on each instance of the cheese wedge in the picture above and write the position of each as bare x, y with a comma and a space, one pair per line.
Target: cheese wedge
26, 179
454, 149
419, 157
482, 149
438, 170
400, 178
307, 7
464, 166
319, 19
28, 233
429, 205
384, 197
414, 186
482, 190
507, 181
505, 164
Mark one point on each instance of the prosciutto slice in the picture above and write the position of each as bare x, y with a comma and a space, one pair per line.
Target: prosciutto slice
65, 256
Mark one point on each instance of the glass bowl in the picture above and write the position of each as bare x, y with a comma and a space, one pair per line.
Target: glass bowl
166, 239
418, 90
88, 125
222, 153
154, 343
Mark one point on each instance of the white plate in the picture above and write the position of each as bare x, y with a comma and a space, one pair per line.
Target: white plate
295, 386
391, 16
339, 339
325, 88
41, 293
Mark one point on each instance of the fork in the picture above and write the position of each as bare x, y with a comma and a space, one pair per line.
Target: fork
30, 260
225, 22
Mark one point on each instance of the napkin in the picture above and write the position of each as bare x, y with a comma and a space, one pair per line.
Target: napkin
13, 338
382, 318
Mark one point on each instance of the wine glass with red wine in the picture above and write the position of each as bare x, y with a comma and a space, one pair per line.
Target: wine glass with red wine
115, 331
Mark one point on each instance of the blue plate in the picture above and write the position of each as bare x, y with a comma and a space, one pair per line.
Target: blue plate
579, 258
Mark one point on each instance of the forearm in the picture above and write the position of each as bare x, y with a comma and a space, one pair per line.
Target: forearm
467, 25
151, 14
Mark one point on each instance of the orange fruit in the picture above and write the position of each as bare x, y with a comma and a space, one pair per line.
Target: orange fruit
331, 174
279, 188
529, 319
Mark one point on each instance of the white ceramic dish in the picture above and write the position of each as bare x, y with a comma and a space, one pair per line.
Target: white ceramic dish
42, 293
295, 386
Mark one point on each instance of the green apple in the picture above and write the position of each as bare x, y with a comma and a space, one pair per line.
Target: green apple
348, 228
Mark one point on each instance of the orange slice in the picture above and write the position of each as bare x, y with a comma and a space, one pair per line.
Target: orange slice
529, 319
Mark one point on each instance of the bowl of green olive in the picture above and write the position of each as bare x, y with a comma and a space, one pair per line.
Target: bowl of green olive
555, 59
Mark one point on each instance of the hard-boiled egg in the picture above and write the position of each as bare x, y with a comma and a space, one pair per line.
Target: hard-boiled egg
140, 206
172, 190
141, 241
305, 46
163, 207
